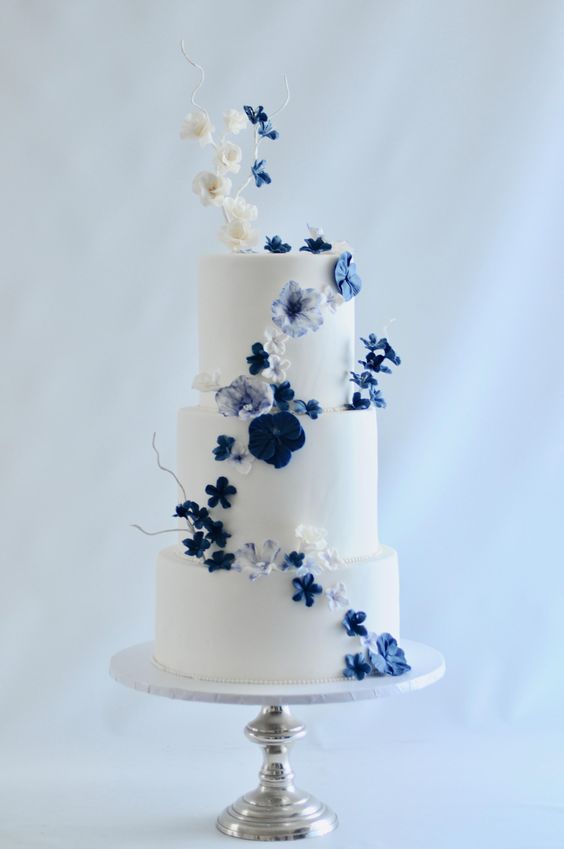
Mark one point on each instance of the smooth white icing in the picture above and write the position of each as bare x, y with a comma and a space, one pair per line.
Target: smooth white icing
235, 295
222, 626
331, 482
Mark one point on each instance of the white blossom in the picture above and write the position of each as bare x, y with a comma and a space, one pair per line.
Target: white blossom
315, 232
206, 382
330, 559
228, 157
234, 121
211, 188
275, 342
277, 367
331, 298
337, 596
259, 563
241, 458
238, 235
239, 208
370, 641
310, 538
198, 126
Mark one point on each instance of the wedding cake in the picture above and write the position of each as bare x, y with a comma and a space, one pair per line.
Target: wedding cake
278, 574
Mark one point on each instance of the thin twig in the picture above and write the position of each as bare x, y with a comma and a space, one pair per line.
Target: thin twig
164, 469
202, 78
156, 533
286, 101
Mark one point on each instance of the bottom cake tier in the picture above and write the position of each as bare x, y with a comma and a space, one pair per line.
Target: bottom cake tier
224, 627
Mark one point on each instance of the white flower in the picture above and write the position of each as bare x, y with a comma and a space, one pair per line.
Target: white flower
370, 641
205, 382
197, 125
259, 563
275, 342
239, 208
316, 232
337, 596
234, 121
331, 298
277, 367
241, 458
238, 235
330, 559
228, 157
310, 538
211, 188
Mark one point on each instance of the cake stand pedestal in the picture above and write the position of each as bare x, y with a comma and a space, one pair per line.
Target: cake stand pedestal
276, 809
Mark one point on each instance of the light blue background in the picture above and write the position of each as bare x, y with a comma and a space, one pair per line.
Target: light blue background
431, 136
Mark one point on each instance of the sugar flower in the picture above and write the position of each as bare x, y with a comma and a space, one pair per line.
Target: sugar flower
228, 156
256, 116
306, 589
224, 447
196, 545
267, 131
311, 538
241, 458
206, 382
220, 560
376, 397
238, 208
245, 397
283, 394
393, 656
297, 310
211, 188
262, 177
316, 244
216, 533
353, 623
275, 341
276, 371
330, 559
364, 380
337, 596
259, 563
234, 121
273, 438
370, 641
372, 343
220, 493
332, 299
258, 360
357, 666
347, 280
197, 125
276, 245
312, 408
238, 235
293, 560
358, 402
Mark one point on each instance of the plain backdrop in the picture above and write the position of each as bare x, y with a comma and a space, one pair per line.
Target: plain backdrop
431, 136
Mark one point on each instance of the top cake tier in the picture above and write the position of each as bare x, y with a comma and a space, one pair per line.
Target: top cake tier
235, 296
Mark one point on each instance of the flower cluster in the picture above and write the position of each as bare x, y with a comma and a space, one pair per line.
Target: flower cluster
381, 655
378, 351
205, 531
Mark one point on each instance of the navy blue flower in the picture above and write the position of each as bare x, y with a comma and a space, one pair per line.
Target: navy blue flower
283, 394
224, 445
273, 437
267, 131
364, 380
357, 666
258, 359
312, 408
393, 657
376, 397
316, 246
358, 402
347, 280
375, 362
261, 176
353, 623
256, 116
216, 533
293, 560
372, 343
196, 546
190, 510
219, 560
220, 492
276, 246
183, 511
306, 589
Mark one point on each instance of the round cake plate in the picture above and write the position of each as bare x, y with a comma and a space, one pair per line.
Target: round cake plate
276, 809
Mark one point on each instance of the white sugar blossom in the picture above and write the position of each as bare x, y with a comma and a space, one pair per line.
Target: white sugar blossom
238, 235
228, 157
277, 367
211, 188
259, 563
206, 382
370, 641
331, 298
315, 232
241, 458
337, 596
198, 126
330, 559
275, 342
239, 208
234, 121
310, 538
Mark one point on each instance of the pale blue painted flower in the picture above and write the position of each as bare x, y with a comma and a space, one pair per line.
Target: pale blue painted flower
241, 458
337, 596
246, 397
297, 311
259, 563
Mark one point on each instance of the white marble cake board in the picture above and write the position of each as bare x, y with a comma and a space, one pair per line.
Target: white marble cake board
276, 810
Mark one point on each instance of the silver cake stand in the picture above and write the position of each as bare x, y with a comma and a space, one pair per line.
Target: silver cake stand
276, 809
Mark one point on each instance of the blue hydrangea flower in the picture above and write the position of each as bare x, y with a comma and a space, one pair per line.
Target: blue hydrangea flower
358, 402
312, 408
219, 493
283, 394
261, 176
375, 362
393, 656
276, 246
376, 397
220, 560
293, 560
364, 380
353, 623
347, 280
316, 246
267, 131
245, 397
273, 437
306, 589
297, 310
256, 116
356, 666
224, 447
258, 359
196, 546
216, 533
377, 662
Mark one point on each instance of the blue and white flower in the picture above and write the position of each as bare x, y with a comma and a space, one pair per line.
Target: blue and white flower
197, 126
246, 397
259, 563
311, 408
238, 209
275, 342
220, 560
256, 116
306, 589
238, 235
337, 596
234, 121
353, 623
277, 367
262, 177
332, 299
212, 189
347, 280
297, 311
207, 382
241, 458
224, 447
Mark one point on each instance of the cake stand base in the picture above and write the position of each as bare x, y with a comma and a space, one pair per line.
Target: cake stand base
276, 810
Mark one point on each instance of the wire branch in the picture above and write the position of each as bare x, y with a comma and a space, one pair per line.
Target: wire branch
202, 78
286, 101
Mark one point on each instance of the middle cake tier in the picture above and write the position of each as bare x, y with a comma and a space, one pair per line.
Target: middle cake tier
331, 483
